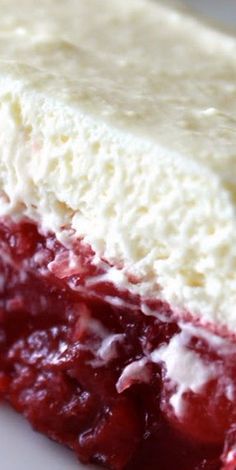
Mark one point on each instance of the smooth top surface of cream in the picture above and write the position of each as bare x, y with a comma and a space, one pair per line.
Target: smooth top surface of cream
118, 118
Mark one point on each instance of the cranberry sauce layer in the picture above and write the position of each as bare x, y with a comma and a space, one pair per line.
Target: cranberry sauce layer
90, 370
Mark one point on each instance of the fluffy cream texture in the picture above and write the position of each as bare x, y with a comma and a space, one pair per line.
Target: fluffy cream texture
118, 118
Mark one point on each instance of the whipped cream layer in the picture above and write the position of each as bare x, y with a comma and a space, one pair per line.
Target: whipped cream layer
118, 119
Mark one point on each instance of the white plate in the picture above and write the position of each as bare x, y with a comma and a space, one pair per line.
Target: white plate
23, 449
223, 10
20, 447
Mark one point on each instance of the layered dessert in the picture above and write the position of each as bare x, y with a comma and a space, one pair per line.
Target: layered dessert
118, 230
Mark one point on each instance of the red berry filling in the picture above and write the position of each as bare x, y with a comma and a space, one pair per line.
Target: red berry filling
64, 350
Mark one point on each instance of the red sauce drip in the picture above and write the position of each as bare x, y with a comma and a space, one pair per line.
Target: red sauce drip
51, 371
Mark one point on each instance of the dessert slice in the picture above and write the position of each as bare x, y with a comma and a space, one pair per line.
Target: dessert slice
118, 230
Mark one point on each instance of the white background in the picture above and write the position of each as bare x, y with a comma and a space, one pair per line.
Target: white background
20, 447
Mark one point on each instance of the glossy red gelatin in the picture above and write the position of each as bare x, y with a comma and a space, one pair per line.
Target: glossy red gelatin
64, 347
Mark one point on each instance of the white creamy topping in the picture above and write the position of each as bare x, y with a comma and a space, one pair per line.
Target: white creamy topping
118, 118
